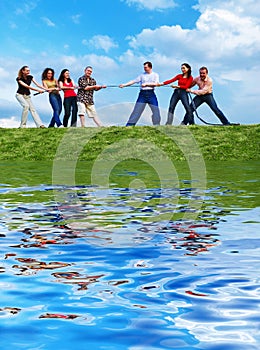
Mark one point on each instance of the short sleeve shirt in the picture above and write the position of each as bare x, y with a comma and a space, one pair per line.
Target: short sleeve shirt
147, 78
22, 89
86, 96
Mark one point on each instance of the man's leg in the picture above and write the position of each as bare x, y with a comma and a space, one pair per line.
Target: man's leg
153, 104
209, 99
92, 113
81, 112
137, 111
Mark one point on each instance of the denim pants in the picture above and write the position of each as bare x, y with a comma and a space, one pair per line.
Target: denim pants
70, 106
26, 102
144, 97
209, 99
178, 95
56, 103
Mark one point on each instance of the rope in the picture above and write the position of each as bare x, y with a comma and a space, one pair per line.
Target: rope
195, 110
38, 93
117, 86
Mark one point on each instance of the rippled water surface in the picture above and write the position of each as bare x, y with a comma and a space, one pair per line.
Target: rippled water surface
127, 267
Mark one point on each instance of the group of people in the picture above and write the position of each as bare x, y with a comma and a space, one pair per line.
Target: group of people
149, 80
81, 102
74, 103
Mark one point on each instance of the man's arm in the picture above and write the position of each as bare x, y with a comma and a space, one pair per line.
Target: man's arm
205, 87
150, 84
131, 82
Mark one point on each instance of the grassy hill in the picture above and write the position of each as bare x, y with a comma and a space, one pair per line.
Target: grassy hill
176, 142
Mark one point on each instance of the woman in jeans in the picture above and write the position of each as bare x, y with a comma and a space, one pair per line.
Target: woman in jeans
70, 98
180, 94
50, 83
23, 93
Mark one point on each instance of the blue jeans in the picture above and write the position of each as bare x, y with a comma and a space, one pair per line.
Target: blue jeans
144, 97
178, 95
209, 99
56, 103
70, 106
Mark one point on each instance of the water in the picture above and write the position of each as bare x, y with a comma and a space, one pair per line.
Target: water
130, 267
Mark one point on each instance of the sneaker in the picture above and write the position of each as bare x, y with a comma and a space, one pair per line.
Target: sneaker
42, 126
61, 126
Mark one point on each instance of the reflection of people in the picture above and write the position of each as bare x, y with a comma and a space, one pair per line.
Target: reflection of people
50, 83
70, 97
184, 82
24, 80
86, 87
148, 80
204, 94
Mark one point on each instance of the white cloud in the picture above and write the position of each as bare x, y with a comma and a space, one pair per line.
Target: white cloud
76, 18
103, 42
244, 7
12, 25
14, 122
223, 36
152, 4
225, 32
27, 7
219, 34
4, 73
47, 21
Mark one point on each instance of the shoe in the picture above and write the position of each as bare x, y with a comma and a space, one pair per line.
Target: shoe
182, 123
42, 126
61, 126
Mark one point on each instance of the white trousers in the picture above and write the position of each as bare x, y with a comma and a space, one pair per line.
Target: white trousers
26, 102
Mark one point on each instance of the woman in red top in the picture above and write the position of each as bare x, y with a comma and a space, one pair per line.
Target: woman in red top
70, 97
184, 82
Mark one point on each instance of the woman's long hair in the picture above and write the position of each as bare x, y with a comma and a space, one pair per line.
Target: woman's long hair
61, 77
20, 73
189, 69
45, 72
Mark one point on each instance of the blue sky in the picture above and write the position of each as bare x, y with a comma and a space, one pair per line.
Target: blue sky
117, 36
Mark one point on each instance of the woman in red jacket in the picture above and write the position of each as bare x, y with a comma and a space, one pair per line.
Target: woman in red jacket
184, 82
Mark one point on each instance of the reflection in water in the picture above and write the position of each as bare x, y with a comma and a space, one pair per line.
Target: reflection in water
100, 260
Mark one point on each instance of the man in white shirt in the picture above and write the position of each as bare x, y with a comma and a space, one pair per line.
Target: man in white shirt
147, 80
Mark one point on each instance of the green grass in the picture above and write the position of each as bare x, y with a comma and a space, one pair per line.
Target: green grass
178, 143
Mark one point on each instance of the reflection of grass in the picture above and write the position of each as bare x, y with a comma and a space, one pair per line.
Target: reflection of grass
215, 143
134, 186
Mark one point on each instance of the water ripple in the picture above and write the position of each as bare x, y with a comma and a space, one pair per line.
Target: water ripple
97, 270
